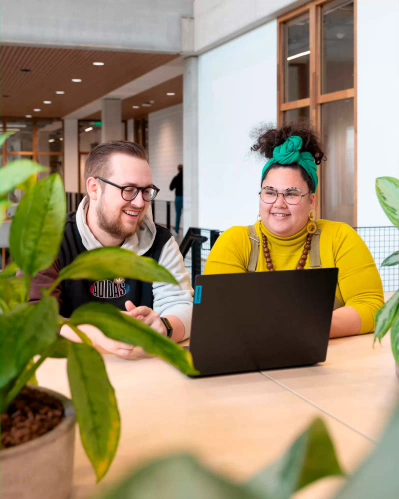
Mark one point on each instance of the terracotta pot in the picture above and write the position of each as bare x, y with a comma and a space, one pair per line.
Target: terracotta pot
41, 468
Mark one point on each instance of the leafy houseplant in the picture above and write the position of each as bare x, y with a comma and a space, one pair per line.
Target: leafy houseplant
388, 317
32, 331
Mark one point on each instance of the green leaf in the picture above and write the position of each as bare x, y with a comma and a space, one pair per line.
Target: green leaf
388, 195
38, 226
395, 338
16, 173
4, 205
311, 457
9, 271
121, 327
96, 407
378, 476
391, 260
12, 291
385, 315
4, 137
110, 263
59, 349
25, 332
178, 477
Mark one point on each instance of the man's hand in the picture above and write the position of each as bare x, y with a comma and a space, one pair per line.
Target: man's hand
147, 316
98, 339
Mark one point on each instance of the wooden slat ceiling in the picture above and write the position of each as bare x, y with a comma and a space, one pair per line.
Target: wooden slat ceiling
156, 94
53, 69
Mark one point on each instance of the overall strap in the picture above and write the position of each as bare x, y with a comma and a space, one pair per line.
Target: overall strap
315, 261
255, 245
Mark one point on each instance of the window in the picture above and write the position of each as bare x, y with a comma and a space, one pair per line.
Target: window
317, 82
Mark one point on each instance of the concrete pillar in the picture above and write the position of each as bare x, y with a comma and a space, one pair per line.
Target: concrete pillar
111, 117
71, 155
190, 142
130, 130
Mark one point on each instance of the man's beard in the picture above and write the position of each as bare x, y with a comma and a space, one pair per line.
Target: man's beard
115, 227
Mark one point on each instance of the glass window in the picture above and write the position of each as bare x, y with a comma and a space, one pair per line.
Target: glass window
54, 162
22, 140
89, 135
297, 59
337, 46
50, 136
303, 113
338, 202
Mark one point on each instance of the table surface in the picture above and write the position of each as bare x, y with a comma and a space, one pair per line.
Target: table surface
238, 424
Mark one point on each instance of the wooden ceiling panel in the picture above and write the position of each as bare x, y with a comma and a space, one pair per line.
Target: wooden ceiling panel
53, 69
156, 94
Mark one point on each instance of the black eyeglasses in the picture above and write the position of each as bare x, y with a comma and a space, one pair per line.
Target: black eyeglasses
293, 195
130, 192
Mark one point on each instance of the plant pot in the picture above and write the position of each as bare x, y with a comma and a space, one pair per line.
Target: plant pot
41, 468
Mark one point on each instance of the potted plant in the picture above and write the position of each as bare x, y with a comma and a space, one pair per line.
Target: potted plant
29, 335
388, 317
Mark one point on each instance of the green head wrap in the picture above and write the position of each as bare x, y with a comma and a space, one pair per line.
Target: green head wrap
290, 153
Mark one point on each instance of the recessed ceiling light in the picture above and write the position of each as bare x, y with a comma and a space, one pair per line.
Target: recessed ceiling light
136, 107
51, 140
61, 139
170, 93
25, 70
146, 104
76, 80
88, 129
60, 92
47, 102
98, 63
37, 110
28, 116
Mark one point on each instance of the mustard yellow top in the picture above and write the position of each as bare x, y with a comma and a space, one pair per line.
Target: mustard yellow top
359, 283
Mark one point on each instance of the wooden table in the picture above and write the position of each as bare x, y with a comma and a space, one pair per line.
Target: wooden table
239, 424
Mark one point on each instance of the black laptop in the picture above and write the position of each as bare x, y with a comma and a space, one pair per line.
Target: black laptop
263, 320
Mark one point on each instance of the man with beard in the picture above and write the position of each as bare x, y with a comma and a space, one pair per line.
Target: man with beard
117, 212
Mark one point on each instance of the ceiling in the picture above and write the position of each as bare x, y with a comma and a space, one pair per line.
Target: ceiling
52, 69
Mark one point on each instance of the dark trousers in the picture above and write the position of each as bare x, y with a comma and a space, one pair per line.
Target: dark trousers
179, 209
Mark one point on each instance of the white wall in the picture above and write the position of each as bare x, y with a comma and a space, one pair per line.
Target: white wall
165, 139
142, 25
378, 103
217, 21
237, 90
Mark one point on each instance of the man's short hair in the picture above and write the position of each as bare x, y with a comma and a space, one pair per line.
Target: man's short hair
97, 163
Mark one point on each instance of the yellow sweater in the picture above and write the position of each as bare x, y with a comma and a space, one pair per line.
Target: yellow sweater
359, 283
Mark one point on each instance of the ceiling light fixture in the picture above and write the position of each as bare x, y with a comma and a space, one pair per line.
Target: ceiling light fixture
28, 116
60, 92
88, 129
47, 102
98, 63
76, 80
136, 107
51, 140
61, 139
37, 110
146, 104
301, 54
170, 93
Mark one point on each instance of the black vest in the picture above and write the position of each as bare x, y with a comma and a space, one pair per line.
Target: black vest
76, 293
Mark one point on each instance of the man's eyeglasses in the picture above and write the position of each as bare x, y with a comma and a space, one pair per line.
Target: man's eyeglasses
269, 195
130, 192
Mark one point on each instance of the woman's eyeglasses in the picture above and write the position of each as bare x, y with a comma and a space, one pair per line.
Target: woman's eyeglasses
130, 192
269, 195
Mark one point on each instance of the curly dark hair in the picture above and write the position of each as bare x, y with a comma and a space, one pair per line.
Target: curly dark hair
268, 137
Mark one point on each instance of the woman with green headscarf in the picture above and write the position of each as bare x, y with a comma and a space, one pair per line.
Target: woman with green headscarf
287, 235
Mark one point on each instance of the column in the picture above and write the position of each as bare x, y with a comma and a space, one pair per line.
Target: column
130, 130
71, 155
190, 143
111, 117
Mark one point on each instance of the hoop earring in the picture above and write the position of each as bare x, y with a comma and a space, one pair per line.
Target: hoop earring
312, 224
